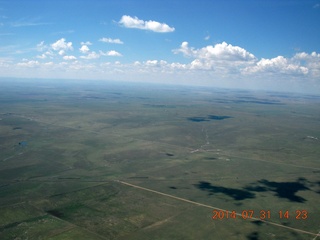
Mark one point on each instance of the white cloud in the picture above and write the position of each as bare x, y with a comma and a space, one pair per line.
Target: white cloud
61, 52
134, 22
152, 63
177, 65
300, 64
49, 64
220, 57
92, 55
111, 53
86, 43
185, 50
110, 40
226, 52
84, 49
27, 63
156, 63
310, 61
220, 64
69, 57
42, 56
41, 47
274, 64
225, 61
61, 44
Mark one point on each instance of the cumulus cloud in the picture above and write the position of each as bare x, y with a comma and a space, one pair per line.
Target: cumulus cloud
110, 40
69, 58
156, 63
111, 53
27, 63
185, 50
92, 55
278, 64
42, 56
61, 44
86, 43
41, 46
84, 49
220, 63
134, 22
221, 56
222, 51
61, 52
224, 59
300, 64
310, 61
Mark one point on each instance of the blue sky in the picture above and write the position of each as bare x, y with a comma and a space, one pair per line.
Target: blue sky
272, 44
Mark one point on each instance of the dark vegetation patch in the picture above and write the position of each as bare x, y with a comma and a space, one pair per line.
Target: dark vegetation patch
68, 178
259, 102
23, 143
56, 213
248, 99
264, 102
214, 117
143, 98
159, 105
257, 222
211, 158
198, 119
311, 97
236, 194
253, 236
116, 93
286, 190
94, 97
138, 177
71, 210
83, 164
15, 224
319, 186
208, 118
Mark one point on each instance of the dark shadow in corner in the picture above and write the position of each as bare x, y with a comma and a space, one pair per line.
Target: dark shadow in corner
236, 194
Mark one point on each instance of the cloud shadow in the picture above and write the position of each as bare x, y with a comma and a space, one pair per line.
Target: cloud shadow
286, 190
236, 194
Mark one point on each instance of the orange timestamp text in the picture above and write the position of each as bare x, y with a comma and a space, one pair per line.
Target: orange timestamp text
262, 214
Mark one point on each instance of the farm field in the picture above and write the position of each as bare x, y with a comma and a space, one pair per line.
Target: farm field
106, 160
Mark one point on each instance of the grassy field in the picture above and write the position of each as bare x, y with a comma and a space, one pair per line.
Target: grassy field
104, 160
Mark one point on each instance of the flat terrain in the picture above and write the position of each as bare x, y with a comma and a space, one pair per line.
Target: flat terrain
104, 160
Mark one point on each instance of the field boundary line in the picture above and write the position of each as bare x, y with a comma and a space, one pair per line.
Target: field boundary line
216, 208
